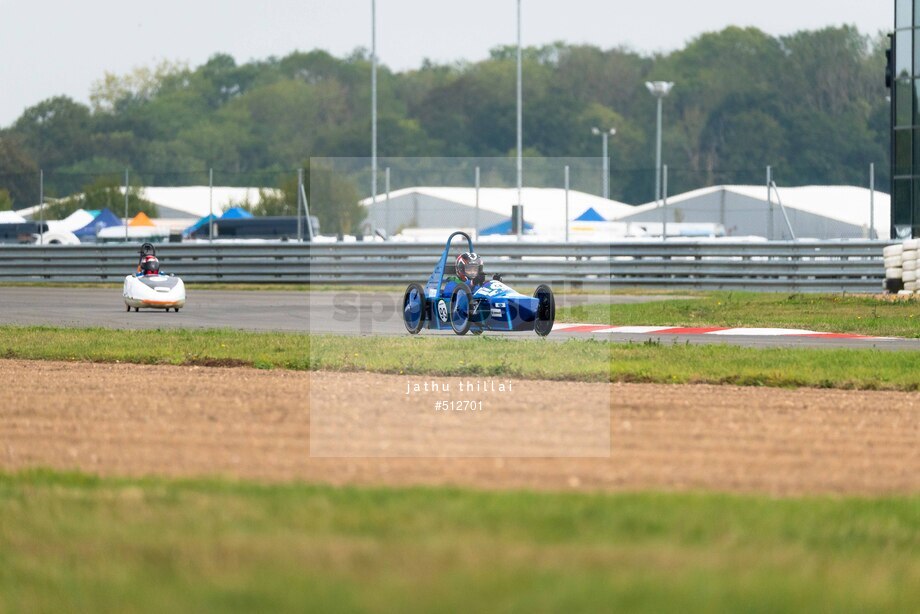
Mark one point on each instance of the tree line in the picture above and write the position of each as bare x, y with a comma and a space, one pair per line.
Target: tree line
812, 104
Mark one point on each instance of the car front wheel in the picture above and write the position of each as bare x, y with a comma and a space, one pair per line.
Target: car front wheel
414, 308
546, 310
461, 309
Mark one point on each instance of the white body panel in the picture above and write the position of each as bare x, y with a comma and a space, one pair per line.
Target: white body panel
138, 294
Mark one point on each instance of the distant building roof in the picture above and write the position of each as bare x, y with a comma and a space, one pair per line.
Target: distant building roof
11, 217
840, 206
189, 202
454, 206
194, 201
501, 199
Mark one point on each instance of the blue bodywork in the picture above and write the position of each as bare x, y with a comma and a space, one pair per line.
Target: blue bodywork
495, 306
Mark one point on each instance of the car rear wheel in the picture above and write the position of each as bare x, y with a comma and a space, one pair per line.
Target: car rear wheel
546, 310
461, 309
414, 308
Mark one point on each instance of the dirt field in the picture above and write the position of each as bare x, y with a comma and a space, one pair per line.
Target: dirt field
137, 420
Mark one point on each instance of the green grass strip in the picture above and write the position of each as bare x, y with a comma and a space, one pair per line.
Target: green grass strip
71, 542
577, 359
833, 313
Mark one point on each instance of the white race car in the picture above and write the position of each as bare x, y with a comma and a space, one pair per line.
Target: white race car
153, 291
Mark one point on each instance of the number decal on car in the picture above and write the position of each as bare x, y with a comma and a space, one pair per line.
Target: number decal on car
442, 310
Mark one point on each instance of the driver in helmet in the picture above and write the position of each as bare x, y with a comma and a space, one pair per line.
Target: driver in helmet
470, 269
148, 266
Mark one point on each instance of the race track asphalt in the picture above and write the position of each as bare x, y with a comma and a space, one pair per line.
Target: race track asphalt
342, 313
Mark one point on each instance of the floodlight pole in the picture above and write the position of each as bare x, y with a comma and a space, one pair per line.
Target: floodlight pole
605, 164
664, 203
210, 204
769, 203
373, 102
387, 204
306, 212
658, 89
658, 153
566, 203
126, 205
476, 220
300, 202
872, 233
606, 169
782, 209
520, 122
41, 206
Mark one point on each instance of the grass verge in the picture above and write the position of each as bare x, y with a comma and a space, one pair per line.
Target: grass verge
578, 360
836, 313
71, 542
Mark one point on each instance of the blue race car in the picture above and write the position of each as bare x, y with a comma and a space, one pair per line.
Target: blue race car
465, 302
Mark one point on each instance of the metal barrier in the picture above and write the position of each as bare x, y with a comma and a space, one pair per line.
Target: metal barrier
834, 266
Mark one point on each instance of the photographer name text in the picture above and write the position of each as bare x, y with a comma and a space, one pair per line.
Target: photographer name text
483, 386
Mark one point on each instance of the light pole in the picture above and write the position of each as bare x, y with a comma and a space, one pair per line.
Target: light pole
658, 89
373, 101
606, 162
520, 122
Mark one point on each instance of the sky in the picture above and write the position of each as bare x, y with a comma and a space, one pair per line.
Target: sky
58, 47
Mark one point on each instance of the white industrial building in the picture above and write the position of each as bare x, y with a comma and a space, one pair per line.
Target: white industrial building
456, 207
194, 202
813, 212
186, 202
418, 213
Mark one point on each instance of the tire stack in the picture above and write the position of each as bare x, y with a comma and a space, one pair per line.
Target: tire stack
909, 266
901, 269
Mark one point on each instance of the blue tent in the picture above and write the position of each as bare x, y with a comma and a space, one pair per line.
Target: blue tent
197, 225
105, 219
590, 215
503, 228
236, 213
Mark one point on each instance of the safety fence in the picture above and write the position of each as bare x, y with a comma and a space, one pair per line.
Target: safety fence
806, 266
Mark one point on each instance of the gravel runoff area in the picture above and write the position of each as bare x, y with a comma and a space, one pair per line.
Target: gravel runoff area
116, 419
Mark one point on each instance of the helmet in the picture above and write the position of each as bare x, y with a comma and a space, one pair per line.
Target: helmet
469, 266
150, 265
